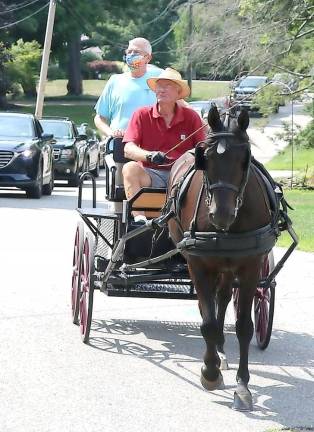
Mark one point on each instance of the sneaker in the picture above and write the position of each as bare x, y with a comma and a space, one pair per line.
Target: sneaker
140, 219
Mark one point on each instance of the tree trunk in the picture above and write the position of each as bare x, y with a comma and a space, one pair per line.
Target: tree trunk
3, 102
74, 85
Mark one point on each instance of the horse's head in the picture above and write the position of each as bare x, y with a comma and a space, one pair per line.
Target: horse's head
225, 159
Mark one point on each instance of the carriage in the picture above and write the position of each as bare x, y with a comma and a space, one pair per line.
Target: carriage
118, 257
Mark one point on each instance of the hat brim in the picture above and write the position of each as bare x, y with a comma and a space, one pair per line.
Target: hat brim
185, 89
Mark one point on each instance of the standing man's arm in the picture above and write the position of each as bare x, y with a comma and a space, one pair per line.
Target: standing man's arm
102, 125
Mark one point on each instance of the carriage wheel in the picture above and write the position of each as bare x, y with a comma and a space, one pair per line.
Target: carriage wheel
87, 286
76, 271
264, 303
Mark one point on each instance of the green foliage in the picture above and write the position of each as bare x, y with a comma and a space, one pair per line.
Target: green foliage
25, 65
5, 80
303, 203
301, 138
55, 71
268, 100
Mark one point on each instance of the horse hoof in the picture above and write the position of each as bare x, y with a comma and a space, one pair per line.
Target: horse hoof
218, 384
223, 362
242, 401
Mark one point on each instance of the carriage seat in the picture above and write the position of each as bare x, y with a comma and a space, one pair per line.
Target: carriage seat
114, 161
149, 200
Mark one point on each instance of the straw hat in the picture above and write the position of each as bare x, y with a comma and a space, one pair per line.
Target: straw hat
172, 75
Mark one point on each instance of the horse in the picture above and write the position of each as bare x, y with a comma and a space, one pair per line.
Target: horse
222, 225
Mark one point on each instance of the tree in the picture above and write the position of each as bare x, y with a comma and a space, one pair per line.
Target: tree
5, 59
25, 65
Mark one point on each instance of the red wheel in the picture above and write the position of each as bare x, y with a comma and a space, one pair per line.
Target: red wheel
76, 271
87, 286
264, 303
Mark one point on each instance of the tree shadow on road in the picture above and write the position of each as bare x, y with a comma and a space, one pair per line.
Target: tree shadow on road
286, 369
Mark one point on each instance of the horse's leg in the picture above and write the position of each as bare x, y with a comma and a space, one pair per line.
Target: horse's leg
223, 297
204, 283
248, 279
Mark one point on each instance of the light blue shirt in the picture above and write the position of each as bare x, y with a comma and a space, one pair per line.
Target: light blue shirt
123, 95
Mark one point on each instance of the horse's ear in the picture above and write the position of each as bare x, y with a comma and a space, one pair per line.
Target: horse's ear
213, 119
243, 120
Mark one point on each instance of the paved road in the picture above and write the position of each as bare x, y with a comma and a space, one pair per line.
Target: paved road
141, 370
266, 141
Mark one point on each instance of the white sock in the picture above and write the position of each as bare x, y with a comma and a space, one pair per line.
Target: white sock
138, 218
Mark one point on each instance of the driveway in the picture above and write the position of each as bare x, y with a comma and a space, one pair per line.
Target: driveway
266, 143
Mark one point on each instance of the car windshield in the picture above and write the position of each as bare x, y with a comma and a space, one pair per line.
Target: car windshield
252, 82
16, 127
59, 129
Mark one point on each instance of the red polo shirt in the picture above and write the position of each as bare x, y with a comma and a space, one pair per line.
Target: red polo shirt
148, 130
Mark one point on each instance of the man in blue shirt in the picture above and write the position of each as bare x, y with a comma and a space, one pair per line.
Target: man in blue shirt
125, 93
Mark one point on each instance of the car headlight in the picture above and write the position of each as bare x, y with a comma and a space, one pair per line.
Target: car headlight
27, 153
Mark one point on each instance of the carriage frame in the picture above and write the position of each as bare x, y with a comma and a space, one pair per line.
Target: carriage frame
102, 259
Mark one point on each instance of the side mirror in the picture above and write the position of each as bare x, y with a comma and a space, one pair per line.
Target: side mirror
46, 136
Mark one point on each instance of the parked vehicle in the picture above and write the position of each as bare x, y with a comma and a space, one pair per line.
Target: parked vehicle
92, 137
245, 89
288, 82
73, 152
203, 106
26, 155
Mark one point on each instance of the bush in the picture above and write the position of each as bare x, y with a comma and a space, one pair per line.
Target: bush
301, 138
268, 100
26, 65
55, 72
306, 137
105, 67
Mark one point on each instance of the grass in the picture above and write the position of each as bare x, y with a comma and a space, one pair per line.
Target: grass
301, 159
302, 217
79, 113
201, 90
81, 108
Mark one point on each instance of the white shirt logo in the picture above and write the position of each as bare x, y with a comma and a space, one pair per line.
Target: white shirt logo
182, 137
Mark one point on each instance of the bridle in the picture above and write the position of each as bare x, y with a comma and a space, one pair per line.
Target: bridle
222, 146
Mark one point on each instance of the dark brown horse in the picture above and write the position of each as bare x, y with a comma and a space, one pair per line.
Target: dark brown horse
223, 228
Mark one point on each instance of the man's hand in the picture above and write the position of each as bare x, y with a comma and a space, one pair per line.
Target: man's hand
118, 133
156, 157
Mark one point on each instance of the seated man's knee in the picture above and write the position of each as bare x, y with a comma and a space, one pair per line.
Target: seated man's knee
130, 168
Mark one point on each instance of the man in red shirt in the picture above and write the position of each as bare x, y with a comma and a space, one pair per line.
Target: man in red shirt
155, 130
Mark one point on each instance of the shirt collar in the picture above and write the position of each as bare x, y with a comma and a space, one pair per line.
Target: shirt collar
178, 114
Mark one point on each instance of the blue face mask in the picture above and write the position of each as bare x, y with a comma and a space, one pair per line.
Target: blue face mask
134, 61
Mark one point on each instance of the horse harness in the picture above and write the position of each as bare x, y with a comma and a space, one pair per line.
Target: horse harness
226, 244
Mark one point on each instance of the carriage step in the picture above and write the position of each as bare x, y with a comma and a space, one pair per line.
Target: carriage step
153, 290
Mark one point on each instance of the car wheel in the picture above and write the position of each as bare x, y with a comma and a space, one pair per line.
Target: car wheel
95, 171
36, 190
48, 188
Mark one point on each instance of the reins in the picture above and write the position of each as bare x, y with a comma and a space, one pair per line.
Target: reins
185, 139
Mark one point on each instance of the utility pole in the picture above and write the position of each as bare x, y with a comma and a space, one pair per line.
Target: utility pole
45, 59
190, 29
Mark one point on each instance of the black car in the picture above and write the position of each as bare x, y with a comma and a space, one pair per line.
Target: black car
245, 90
73, 152
92, 136
26, 155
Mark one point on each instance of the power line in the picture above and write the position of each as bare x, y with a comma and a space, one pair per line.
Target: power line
19, 7
23, 19
163, 13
